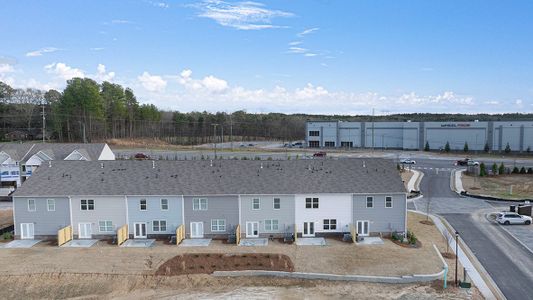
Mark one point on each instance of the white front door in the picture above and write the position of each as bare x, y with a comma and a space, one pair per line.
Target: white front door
140, 230
26, 231
85, 230
252, 229
309, 229
362, 228
197, 230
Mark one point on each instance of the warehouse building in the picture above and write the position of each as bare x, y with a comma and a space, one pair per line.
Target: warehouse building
414, 135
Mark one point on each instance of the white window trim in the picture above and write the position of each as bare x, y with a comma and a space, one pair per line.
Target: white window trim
258, 202
161, 204
200, 204
366, 202
218, 225
159, 225
271, 225
140, 204
274, 203
34, 205
329, 224
87, 203
391, 202
48, 204
105, 226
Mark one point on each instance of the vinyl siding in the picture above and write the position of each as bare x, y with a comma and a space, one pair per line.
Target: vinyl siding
381, 219
284, 215
218, 207
46, 222
153, 211
106, 208
331, 206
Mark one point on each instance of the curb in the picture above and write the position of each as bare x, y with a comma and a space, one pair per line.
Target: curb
490, 198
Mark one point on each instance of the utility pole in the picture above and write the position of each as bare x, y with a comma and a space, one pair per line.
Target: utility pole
44, 124
215, 138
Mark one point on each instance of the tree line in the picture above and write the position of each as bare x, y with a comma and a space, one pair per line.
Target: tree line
88, 111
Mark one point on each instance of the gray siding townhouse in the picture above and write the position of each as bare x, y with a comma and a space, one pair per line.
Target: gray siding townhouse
267, 198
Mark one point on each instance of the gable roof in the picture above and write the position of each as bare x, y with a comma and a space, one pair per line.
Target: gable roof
17, 151
221, 177
22, 152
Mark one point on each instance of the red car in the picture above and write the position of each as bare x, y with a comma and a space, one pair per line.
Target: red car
141, 156
320, 154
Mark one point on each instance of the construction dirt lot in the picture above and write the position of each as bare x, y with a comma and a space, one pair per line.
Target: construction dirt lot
108, 271
499, 186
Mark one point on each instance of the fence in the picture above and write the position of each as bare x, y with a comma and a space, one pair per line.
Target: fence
352, 232
64, 235
122, 234
180, 234
238, 234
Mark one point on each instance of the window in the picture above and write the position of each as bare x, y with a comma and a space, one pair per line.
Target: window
329, 144
314, 133
142, 204
388, 202
159, 225
277, 203
218, 225
164, 204
256, 203
330, 224
31, 205
314, 144
87, 204
105, 226
51, 204
369, 202
311, 202
347, 144
199, 204
271, 225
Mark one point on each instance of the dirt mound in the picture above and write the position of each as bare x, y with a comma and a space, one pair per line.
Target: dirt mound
207, 263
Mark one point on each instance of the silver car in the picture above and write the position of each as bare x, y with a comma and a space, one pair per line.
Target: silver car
508, 218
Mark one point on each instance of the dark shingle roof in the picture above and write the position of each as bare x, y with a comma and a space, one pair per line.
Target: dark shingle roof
219, 177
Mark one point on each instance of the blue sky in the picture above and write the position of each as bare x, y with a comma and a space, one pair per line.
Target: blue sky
314, 56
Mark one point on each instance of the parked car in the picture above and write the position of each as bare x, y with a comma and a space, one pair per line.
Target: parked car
297, 145
320, 154
408, 161
467, 162
141, 156
508, 218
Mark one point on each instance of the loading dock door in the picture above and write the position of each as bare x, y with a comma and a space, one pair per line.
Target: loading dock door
27, 231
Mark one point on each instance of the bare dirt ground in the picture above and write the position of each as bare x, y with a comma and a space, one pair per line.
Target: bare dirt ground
6, 217
406, 176
109, 271
498, 186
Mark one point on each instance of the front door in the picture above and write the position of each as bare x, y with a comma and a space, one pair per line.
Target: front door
309, 229
197, 230
362, 228
140, 231
85, 230
26, 231
252, 229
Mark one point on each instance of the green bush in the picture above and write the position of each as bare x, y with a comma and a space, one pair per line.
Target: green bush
398, 167
482, 170
516, 170
494, 169
507, 148
530, 170
397, 237
486, 149
447, 147
523, 170
411, 237
7, 236
501, 170
465, 148
426, 147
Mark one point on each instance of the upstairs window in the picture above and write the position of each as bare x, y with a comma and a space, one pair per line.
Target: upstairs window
87, 204
369, 202
311, 202
199, 204
388, 202
314, 133
142, 204
31, 205
164, 204
256, 203
51, 204
277, 203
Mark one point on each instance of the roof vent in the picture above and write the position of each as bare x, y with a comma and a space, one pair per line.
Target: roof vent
101, 165
49, 163
364, 164
261, 165
153, 164
211, 163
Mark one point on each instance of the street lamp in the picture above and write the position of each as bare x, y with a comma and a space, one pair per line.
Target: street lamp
456, 254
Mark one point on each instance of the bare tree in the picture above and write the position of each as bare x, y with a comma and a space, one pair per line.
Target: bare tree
26, 101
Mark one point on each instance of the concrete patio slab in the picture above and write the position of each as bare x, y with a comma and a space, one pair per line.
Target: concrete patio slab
195, 242
21, 244
253, 242
316, 241
371, 240
80, 243
138, 243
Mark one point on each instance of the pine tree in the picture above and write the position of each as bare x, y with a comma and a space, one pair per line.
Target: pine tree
482, 170
501, 170
465, 148
494, 169
426, 147
486, 149
447, 147
507, 148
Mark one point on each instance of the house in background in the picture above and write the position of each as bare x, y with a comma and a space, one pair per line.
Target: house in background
18, 161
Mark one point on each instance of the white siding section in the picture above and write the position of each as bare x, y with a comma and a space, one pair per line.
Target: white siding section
331, 206
106, 154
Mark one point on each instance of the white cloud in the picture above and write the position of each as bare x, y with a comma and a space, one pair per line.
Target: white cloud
209, 83
152, 83
64, 71
41, 51
519, 102
295, 43
120, 21
310, 54
492, 102
159, 4
298, 50
102, 75
308, 31
241, 15
97, 49
6, 68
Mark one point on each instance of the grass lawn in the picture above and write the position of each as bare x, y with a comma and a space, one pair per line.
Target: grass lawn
499, 186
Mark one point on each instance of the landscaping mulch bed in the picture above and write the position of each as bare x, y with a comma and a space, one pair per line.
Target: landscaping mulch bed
427, 222
207, 263
448, 255
417, 245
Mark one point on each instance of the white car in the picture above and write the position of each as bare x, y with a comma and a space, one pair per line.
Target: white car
472, 163
408, 161
508, 218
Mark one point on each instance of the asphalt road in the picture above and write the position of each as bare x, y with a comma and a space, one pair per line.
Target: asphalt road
509, 264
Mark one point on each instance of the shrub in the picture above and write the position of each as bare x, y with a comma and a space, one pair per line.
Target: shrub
398, 167
397, 236
523, 170
257, 158
507, 148
501, 170
7, 236
426, 147
447, 147
465, 148
269, 158
528, 150
516, 170
494, 169
486, 149
482, 170
530, 170
411, 237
